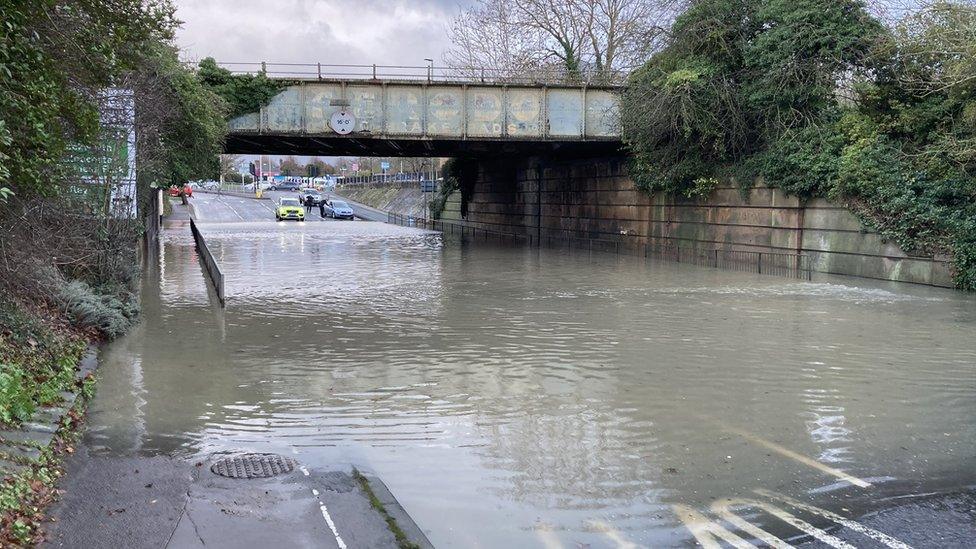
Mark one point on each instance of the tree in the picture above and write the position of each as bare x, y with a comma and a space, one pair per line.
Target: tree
180, 122
290, 166
323, 167
489, 35
243, 93
735, 77
230, 164
593, 37
56, 56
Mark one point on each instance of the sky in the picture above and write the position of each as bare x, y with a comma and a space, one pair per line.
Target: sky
384, 32
337, 32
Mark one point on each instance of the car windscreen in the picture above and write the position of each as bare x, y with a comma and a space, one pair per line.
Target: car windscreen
289, 202
339, 204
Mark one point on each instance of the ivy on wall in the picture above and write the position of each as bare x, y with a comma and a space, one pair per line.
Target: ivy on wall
818, 98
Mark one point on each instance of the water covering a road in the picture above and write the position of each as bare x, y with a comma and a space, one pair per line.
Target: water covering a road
524, 397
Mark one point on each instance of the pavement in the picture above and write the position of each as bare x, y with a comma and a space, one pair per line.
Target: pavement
161, 501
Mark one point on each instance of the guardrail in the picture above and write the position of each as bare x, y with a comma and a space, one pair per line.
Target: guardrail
429, 73
209, 263
772, 263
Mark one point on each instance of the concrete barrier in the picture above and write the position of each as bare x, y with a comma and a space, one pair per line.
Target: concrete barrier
209, 263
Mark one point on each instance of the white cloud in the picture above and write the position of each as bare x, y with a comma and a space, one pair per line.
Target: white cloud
384, 32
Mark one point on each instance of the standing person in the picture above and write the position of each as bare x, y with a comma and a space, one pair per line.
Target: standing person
322, 208
309, 202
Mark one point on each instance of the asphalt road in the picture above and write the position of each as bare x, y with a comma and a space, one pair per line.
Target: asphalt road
214, 208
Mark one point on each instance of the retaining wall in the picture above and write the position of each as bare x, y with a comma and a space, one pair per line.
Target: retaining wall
597, 199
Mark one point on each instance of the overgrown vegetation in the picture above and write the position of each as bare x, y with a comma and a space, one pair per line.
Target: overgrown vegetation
817, 97
242, 93
458, 174
450, 182
37, 362
68, 238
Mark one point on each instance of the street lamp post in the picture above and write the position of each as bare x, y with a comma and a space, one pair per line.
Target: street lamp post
430, 68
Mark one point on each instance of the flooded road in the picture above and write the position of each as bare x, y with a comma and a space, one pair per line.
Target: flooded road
515, 397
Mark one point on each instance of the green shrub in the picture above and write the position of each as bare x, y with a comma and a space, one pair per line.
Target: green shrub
16, 400
108, 314
754, 88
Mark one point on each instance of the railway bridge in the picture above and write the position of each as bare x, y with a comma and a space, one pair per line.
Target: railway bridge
422, 111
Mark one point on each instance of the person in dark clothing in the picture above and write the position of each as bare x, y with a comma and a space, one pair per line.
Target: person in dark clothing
322, 209
309, 202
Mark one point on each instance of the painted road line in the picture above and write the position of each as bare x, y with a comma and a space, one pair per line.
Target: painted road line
233, 210
800, 458
611, 533
723, 508
790, 453
847, 523
548, 538
708, 532
325, 512
332, 526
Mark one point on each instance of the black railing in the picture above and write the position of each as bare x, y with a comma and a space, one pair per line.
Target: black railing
790, 265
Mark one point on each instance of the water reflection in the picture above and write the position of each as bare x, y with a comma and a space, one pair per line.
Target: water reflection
512, 396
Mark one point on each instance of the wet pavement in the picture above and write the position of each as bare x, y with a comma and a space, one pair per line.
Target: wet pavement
515, 397
158, 501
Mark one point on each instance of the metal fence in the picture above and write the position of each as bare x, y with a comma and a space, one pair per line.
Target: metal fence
429, 73
788, 265
209, 263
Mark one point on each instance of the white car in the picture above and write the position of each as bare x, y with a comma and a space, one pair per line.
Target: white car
263, 185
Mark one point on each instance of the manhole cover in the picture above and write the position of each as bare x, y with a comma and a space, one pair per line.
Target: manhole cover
253, 466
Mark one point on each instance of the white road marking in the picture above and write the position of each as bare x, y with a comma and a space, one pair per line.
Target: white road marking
325, 512
613, 534
800, 458
332, 526
232, 209
723, 508
708, 532
790, 454
847, 523
547, 537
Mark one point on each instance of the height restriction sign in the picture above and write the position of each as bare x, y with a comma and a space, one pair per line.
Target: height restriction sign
342, 122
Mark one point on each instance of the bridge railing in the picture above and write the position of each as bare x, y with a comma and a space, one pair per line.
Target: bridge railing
789, 265
320, 71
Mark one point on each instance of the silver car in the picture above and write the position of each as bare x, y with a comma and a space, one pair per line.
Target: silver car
337, 209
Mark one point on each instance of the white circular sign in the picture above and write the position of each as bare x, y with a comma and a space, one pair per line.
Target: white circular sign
342, 122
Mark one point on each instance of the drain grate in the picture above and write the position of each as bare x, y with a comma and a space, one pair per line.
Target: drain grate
253, 466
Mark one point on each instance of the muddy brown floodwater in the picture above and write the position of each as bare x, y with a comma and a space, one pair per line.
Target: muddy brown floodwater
514, 397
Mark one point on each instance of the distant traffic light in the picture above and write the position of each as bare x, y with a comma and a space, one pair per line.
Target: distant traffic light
252, 169
313, 170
